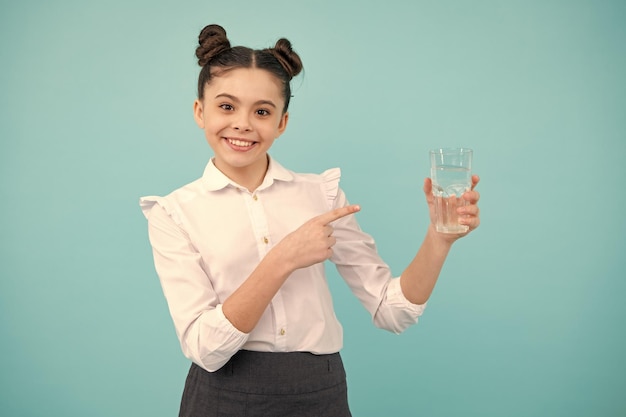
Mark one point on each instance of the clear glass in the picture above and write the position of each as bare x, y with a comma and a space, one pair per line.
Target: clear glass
451, 173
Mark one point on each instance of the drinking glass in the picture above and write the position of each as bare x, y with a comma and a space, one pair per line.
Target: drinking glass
451, 174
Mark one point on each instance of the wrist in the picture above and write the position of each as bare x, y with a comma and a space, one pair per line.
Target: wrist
440, 240
279, 262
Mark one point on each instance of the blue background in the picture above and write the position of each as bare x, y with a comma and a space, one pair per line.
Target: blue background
528, 316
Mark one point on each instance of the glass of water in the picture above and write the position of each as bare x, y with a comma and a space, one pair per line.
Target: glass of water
451, 174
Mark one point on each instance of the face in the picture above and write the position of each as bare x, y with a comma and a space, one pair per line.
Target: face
241, 115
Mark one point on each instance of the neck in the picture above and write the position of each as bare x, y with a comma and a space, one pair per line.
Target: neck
250, 177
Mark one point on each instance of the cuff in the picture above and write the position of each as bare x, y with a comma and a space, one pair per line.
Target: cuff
395, 297
226, 341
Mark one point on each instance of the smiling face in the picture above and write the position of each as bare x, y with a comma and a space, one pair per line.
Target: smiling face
241, 115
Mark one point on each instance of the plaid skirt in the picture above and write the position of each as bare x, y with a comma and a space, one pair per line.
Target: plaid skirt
263, 384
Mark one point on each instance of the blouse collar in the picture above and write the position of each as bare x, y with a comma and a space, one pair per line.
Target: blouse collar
215, 180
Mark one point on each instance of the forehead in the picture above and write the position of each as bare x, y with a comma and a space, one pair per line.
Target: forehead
245, 83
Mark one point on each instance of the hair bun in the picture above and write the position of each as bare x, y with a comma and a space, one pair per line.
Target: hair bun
212, 41
289, 59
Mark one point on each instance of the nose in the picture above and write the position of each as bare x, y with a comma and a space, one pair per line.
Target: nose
242, 123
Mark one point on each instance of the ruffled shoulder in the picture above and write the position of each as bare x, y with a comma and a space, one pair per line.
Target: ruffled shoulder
148, 202
330, 181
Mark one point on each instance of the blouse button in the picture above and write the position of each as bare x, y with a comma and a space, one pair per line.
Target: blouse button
282, 332
265, 240
255, 197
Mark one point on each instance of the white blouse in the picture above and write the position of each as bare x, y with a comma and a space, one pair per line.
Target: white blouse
208, 236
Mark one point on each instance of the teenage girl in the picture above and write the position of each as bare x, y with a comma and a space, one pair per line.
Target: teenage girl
240, 252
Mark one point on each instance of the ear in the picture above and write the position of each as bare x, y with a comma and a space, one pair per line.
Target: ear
198, 113
282, 125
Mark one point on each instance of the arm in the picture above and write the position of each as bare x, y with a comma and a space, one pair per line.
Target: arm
311, 243
419, 278
210, 332
206, 337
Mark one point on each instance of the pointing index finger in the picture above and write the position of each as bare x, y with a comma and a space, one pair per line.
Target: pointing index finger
338, 213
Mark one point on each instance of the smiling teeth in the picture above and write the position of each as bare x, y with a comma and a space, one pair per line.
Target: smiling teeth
242, 143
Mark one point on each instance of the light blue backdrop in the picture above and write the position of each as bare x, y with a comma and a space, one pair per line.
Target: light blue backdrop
528, 316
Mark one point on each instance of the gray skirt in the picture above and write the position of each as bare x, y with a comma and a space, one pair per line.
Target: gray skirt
292, 384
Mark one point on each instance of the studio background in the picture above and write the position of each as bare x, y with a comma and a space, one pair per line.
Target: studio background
528, 316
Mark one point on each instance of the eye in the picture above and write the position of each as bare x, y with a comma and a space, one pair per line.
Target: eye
263, 112
227, 107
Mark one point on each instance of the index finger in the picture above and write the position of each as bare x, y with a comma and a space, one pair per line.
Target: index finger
338, 213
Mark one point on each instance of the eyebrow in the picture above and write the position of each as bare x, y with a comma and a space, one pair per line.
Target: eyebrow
236, 100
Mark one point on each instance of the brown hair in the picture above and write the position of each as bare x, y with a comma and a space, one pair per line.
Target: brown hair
214, 52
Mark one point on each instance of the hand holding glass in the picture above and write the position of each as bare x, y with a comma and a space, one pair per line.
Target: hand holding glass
451, 174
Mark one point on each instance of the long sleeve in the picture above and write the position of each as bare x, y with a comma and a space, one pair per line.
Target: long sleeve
206, 336
369, 277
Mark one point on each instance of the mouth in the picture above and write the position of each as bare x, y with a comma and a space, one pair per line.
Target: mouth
240, 144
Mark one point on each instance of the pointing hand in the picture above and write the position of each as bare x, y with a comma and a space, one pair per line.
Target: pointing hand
312, 242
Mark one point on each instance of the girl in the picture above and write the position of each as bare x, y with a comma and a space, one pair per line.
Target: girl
240, 251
